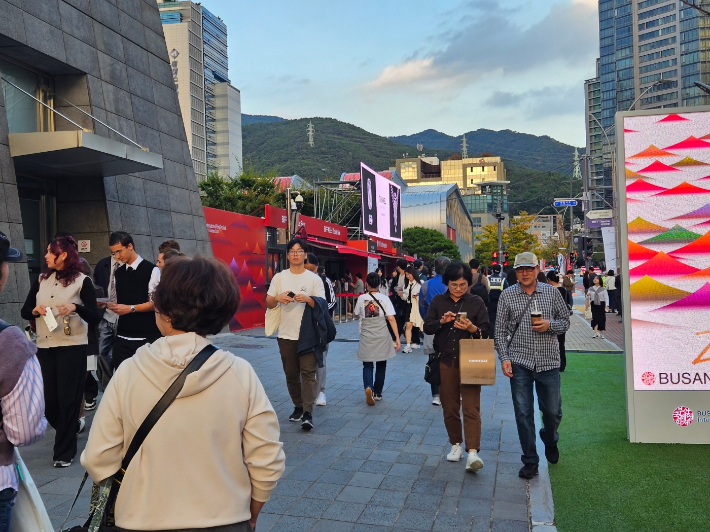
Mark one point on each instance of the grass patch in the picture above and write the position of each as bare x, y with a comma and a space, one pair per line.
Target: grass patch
603, 482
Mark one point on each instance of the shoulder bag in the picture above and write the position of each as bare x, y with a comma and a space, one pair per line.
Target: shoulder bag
273, 315
389, 325
432, 373
101, 515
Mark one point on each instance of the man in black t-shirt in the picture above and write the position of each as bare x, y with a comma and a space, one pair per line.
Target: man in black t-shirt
135, 282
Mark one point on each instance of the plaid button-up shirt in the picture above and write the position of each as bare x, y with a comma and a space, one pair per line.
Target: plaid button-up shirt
533, 350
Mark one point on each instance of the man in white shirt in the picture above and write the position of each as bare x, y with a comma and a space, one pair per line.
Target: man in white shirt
293, 289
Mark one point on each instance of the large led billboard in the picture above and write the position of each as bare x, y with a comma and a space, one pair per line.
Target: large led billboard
381, 205
663, 172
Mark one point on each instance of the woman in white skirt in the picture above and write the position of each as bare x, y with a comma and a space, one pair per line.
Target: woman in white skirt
376, 345
412, 317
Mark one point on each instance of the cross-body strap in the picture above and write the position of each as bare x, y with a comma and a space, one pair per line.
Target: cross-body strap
520, 318
162, 405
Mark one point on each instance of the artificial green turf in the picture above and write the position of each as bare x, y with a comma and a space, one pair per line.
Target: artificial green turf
604, 483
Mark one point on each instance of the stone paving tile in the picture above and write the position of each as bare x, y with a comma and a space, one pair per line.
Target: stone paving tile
416, 519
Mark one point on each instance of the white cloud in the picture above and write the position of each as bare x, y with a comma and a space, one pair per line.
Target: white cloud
404, 73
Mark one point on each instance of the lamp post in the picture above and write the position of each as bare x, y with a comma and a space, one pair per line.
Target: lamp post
293, 205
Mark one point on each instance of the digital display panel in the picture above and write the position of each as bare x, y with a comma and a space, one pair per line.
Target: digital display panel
381, 205
667, 171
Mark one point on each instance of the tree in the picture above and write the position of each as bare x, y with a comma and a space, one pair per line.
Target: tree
551, 250
428, 244
516, 239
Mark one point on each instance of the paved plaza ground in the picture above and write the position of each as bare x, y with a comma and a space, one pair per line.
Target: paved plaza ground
371, 468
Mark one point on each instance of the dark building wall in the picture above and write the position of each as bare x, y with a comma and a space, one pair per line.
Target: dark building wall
109, 58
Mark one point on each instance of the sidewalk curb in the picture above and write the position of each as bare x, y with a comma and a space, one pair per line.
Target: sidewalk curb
542, 506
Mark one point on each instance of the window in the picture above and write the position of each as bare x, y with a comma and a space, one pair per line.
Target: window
24, 114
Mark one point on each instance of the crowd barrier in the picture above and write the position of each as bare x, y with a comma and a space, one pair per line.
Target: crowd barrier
345, 306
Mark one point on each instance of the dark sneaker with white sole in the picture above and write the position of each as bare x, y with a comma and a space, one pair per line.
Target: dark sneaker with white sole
552, 453
307, 421
528, 471
296, 416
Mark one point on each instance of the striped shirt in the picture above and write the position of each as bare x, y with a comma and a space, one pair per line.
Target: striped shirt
23, 419
533, 350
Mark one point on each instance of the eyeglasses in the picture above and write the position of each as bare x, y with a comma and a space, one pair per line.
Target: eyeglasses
462, 286
524, 269
296, 252
67, 328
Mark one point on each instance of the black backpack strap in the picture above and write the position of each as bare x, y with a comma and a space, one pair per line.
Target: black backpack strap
4, 326
160, 408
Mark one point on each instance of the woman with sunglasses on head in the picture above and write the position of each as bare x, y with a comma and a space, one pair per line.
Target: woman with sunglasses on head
67, 297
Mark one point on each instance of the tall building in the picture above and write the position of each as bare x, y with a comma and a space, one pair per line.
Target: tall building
481, 181
595, 141
197, 45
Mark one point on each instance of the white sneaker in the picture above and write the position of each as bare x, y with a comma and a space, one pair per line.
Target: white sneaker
321, 399
595, 335
473, 462
601, 336
455, 454
82, 425
415, 346
406, 349
435, 400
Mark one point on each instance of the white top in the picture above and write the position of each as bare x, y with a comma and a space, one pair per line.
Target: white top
307, 284
611, 282
383, 299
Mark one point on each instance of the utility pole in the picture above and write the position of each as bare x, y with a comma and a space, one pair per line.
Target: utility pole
500, 217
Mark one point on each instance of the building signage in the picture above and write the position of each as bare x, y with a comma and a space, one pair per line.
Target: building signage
600, 218
564, 202
381, 245
381, 205
174, 66
278, 218
665, 243
84, 246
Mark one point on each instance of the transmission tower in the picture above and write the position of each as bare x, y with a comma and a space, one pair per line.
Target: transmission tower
464, 148
310, 130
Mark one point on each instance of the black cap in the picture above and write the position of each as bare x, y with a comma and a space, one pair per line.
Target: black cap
496, 268
8, 253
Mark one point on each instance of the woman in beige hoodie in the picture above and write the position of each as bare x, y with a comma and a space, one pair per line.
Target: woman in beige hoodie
214, 457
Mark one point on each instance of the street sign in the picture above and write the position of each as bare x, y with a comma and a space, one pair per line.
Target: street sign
595, 223
601, 213
564, 202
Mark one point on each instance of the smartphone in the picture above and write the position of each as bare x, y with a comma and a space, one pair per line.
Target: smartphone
291, 294
461, 316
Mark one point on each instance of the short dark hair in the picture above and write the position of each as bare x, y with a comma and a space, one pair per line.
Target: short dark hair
169, 244
169, 253
320, 270
373, 280
440, 264
552, 276
358, 275
121, 237
402, 263
418, 264
474, 264
295, 241
312, 259
455, 271
570, 271
611, 272
198, 295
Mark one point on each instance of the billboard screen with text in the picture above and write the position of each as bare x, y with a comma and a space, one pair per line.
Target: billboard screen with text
381, 205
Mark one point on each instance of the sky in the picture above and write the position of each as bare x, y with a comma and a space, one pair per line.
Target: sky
398, 67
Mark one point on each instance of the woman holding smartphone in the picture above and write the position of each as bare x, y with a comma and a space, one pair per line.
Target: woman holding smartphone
453, 316
412, 318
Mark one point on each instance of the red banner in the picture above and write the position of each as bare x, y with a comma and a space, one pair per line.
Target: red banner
276, 217
238, 240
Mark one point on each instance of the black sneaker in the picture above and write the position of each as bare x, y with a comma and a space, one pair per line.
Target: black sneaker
90, 405
307, 421
297, 415
552, 453
528, 471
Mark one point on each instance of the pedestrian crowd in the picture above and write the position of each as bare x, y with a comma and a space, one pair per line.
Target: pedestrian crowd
147, 326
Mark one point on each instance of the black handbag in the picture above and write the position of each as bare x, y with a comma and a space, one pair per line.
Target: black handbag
432, 373
101, 514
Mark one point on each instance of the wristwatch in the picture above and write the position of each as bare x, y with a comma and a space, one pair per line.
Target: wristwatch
133, 309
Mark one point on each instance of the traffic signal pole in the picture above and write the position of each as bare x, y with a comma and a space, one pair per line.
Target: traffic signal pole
499, 216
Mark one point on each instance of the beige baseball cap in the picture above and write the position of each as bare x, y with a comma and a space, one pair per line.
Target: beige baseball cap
526, 259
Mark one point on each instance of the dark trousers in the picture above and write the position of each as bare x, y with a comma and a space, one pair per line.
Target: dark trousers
244, 526
613, 305
598, 316
492, 312
415, 335
456, 397
563, 354
547, 385
91, 387
374, 378
64, 375
124, 349
300, 373
7, 496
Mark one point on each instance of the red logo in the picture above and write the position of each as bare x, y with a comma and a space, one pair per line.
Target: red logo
648, 378
683, 416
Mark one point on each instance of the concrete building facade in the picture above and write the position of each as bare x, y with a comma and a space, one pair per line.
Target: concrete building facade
124, 166
197, 44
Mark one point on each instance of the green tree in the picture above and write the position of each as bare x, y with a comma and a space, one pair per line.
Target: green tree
428, 244
551, 250
516, 239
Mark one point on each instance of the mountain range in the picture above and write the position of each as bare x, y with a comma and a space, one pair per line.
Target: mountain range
281, 146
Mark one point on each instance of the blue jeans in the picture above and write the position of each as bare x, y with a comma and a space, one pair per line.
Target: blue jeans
7, 496
368, 368
547, 384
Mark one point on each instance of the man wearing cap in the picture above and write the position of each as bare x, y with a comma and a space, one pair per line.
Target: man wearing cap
497, 283
22, 419
529, 354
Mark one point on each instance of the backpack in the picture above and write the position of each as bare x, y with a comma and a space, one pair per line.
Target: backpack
480, 290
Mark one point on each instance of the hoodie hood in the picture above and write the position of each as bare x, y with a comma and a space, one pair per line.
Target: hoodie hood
162, 362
